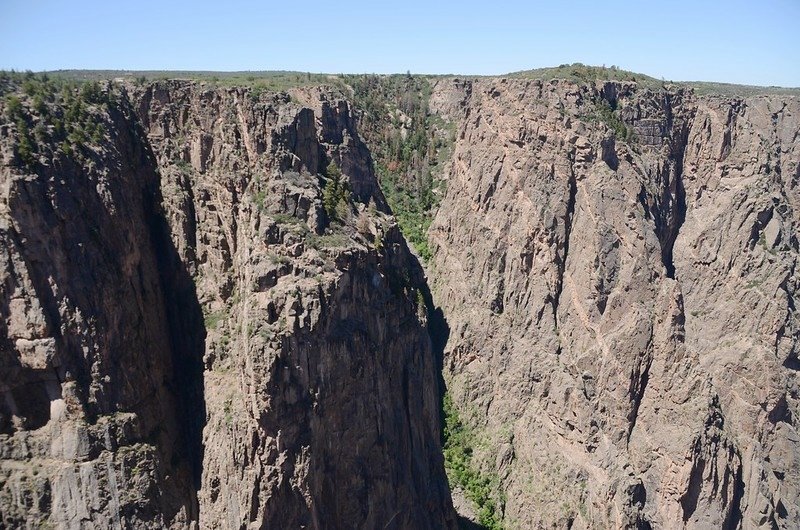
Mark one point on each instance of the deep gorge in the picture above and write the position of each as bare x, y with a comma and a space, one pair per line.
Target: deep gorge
598, 278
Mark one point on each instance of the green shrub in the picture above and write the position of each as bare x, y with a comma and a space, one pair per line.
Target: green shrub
336, 196
65, 148
40, 133
327, 240
92, 93
77, 137
13, 107
212, 320
458, 441
606, 114
409, 150
25, 146
96, 131
69, 123
39, 105
285, 218
257, 90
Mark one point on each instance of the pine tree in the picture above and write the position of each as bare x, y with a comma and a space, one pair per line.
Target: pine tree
13, 107
25, 146
336, 194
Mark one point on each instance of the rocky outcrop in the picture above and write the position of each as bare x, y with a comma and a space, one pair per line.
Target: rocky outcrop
320, 383
91, 435
617, 268
212, 349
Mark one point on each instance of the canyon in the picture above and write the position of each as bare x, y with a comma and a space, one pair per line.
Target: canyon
596, 328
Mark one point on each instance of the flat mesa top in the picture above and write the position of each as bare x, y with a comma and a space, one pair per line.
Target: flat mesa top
282, 80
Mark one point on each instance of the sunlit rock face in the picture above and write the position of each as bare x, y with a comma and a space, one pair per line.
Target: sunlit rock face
618, 271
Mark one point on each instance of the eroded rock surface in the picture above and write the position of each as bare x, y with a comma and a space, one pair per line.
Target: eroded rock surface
320, 382
622, 313
189, 341
91, 431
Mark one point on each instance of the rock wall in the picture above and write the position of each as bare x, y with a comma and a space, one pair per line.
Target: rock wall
622, 314
320, 382
188, 339
213, 350
91, 431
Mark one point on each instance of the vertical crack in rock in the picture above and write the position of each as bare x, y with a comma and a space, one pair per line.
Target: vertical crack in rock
733, 518
715, 481
183, 312
187, 337
638, 387
562, 258
674, 193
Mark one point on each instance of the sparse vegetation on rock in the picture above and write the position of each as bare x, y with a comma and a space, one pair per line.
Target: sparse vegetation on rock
410, 146
51, 112
211, 328
336, 195
479, 487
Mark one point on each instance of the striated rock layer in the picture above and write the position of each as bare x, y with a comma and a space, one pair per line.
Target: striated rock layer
188, 341
622, 316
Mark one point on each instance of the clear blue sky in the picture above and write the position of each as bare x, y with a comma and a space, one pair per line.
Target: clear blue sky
754, 41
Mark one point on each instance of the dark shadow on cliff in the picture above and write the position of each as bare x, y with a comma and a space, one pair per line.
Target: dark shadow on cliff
439, 331
64, 212
187, 336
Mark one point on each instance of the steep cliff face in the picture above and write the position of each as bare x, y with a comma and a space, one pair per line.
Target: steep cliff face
618, 270
320, 384
91, 434
189, 339
212, 349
